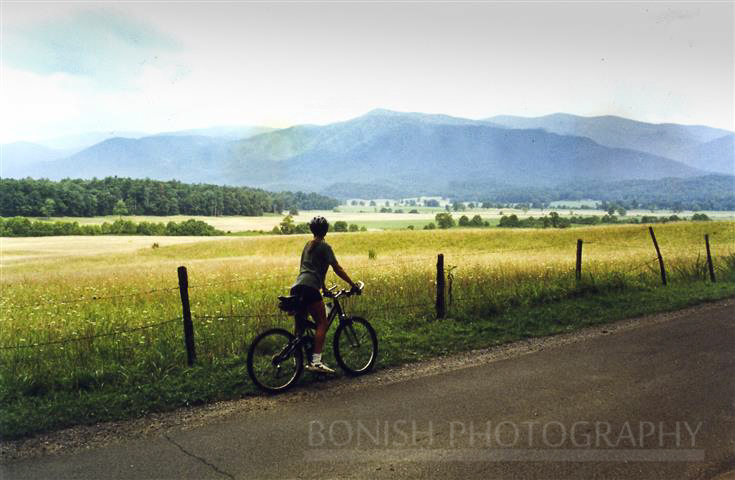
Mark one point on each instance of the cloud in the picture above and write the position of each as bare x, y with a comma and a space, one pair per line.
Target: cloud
105, 45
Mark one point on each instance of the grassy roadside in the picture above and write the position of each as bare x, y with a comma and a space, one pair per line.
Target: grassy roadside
404, 338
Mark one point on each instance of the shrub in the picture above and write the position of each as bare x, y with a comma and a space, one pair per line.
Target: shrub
444, 220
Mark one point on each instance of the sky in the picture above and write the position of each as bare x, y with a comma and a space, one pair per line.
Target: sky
72, 67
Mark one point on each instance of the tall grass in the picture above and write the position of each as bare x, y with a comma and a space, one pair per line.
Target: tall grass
85, 303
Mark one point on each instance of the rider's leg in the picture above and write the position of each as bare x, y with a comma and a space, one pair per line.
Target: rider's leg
319, 313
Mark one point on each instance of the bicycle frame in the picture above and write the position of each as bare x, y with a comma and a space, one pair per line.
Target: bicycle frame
302, 318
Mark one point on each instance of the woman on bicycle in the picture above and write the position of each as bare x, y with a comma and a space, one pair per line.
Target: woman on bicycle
316, 259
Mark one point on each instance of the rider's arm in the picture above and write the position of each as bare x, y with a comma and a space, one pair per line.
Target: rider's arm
342, 274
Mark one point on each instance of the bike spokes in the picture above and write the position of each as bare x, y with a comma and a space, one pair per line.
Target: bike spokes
275, 361
355, 346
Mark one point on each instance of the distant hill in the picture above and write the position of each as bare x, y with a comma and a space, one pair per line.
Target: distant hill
184, 158
75, 143
412, 152
402, 154
18, 156
716, 154
666, 140
187, 155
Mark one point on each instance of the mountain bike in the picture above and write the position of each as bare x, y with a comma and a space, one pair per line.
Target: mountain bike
276, 356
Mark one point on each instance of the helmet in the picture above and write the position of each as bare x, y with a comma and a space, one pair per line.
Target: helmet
319, 226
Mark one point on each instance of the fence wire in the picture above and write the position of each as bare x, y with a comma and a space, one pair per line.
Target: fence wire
96, 298
89, 337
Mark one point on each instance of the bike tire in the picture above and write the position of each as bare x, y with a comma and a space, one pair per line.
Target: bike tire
355, 346
268, 374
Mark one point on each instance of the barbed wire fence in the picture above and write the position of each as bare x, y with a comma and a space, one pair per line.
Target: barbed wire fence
445, 293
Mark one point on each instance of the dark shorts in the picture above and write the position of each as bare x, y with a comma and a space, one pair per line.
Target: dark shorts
307, 295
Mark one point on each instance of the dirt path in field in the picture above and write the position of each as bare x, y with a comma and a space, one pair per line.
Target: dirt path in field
661, 368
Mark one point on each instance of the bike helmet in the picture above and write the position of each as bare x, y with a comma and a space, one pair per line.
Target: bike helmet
319, 226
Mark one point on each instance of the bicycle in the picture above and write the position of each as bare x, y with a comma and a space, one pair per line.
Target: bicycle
276, 357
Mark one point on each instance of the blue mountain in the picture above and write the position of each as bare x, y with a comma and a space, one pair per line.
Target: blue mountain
685, 143
408, 150
404, 153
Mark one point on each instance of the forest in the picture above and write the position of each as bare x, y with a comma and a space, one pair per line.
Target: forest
711, 192
126, 196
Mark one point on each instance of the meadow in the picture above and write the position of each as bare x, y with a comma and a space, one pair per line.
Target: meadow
93, 331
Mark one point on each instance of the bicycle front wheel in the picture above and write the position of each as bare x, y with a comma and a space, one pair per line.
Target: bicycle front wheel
355, 346
275, 363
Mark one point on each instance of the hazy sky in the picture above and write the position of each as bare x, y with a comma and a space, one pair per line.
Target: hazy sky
72, 67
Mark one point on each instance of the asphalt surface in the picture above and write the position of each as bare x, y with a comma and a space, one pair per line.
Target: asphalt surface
657, 401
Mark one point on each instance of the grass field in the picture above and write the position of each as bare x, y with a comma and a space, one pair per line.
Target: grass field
92, 331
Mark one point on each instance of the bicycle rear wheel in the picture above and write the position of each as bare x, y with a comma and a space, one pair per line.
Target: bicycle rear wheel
274, 362
355, 346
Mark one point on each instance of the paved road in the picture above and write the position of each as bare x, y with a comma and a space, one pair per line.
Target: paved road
651, 402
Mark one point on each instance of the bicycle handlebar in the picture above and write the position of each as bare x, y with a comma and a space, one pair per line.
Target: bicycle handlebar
346, 293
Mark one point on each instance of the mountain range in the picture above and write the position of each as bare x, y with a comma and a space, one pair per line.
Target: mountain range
697, 146
401, 153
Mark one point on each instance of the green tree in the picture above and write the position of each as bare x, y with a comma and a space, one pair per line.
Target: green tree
464, 221
510, 221
287, 226
120, 208
48, 208
444, 220
554, 219
340, 226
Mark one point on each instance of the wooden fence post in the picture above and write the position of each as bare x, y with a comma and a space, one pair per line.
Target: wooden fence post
709, 259
440, 305
578, 270
191, 354
660, 258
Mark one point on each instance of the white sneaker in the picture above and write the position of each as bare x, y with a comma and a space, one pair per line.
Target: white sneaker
318, 368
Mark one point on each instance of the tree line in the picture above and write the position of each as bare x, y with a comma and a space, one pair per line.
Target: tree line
289, 227
709, 192
554, 220
127, 196
23, 227
445, 220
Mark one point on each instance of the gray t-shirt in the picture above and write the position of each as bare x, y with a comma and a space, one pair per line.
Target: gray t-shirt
314, 265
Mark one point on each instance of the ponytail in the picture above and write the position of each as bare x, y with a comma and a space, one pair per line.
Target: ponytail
311, 246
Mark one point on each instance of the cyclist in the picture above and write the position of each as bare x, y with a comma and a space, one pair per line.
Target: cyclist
316, 259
